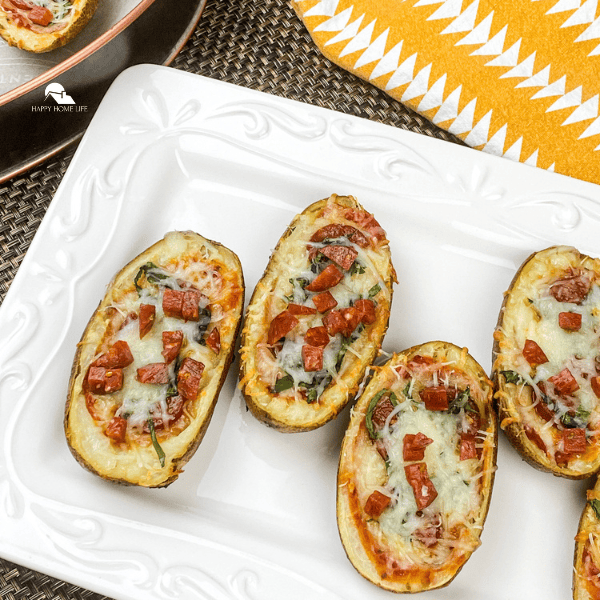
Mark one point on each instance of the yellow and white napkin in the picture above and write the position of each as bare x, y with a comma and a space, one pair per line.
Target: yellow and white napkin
515, 78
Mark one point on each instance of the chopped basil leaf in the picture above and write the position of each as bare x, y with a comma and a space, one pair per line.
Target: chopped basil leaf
159, 450
312, 395
153, 275
512, 377
284, 383
357, 268
595, 504
406, 390
461, 401
374, 290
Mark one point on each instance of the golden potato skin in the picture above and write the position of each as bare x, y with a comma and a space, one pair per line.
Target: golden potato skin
25, 39
138, 465
545, 264
290, 417
370, 550
586, 560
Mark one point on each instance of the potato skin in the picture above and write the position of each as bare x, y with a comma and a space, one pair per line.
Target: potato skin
263, 404
85, 439
507, 395
588, 533
357, 531
25, 39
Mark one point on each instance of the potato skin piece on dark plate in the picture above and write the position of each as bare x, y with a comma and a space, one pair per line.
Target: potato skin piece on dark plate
546, 362
144, 383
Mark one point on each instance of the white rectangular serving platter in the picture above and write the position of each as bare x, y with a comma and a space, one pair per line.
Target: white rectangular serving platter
253, 515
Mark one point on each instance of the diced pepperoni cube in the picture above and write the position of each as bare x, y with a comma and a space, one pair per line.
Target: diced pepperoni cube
190, 308
102, 380
564, 382
299, 309
172, 303
317, 336
430, 534
118, 356
535, 437
569, 321
213, 341
334, 322
573, 289
172, 341
414, 445
366, 308
343, 256
595, 382
468, 449
533, 354
147, 316
40, 15
381, 412
423, 488
188, 378
574, 441
376, 503
324, 301
281, 325
154, 373
336, 230
326, 279
352, 317
312, 358
116, 429
435, 397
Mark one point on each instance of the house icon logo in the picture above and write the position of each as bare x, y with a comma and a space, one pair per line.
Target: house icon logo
57, 91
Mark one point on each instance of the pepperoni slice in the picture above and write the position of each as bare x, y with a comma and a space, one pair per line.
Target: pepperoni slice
572, 289
423, 488
366, 308
468, 449
317, 336
213, 341
569, 321
326, 279
172, 303
154, 373
352, 317
324, 301
190, 307
40, 15
334, 322
147, 316
188, 378
376, 503
116, 429
337, 230
118, 356
413, 446
281, 325
366, 221
435, 397
564, 382
533, 354
312, 358
595, 382
172, 341
299, 309
343, 256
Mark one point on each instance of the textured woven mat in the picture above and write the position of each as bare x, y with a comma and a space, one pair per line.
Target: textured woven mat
260, 45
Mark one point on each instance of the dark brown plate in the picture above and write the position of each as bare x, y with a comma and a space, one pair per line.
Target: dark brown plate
35, 127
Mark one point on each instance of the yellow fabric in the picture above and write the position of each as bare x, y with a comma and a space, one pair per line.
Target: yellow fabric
516, 78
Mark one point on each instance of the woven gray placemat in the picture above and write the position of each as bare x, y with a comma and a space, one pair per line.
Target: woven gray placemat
260, 45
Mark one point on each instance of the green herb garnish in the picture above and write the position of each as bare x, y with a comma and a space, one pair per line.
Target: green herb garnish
512, 377
374, 290
284, 383
159, 450
152, 273
595, 504
357, 268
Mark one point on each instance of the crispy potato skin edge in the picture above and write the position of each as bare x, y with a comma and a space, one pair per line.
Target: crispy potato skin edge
266, 417
179, 462
514, 431
345, 522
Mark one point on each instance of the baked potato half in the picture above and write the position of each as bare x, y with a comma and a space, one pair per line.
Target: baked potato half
546, 362
43, 25
317, 317
417, 468
152, 360
586, 572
